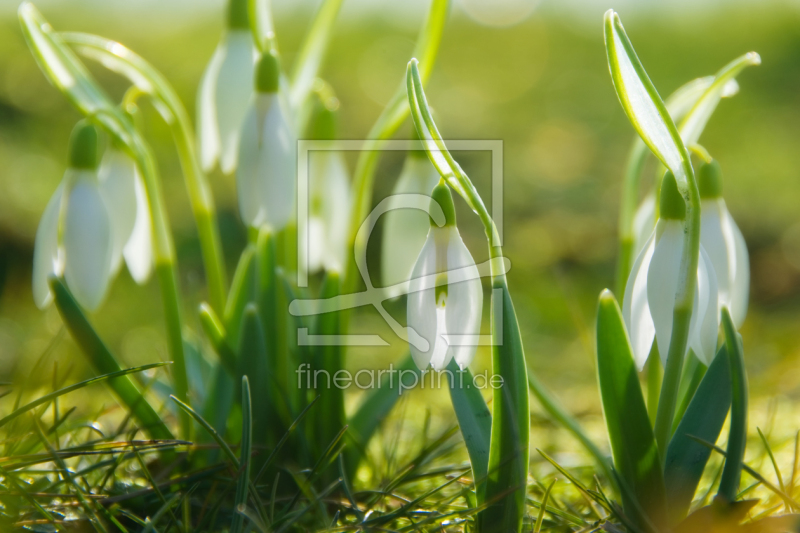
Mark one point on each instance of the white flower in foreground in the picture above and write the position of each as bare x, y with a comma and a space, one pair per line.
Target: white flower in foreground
446, 314
225, 91
265, 178
330, 197
653, 283
723, 241
405, 230
124, 194
84, 249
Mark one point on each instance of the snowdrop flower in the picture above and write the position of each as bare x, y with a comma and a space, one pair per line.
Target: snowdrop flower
124, 194
405, 230
265, 178
446, 315
723, 241
74, 238
225, 91
644, 220
330, 196
653, 282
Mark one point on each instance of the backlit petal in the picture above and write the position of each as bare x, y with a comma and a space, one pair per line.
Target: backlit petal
717, 240
207, 132
405, 229
662, 280
705, 320
421, 309
276, 177
247, 173
233, 91
138, 251
740, 286
635, 307
117, 185
45, 250
463, 305
87, 243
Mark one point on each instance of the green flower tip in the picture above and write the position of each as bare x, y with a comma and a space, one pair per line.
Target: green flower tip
83, 146
444, 198
238, 17
672, 205
709, 180
268, 73
325, 120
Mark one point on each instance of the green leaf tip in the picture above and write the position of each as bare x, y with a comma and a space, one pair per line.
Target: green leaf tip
268, 73
672, 206
442, 196
709, 180
83, 146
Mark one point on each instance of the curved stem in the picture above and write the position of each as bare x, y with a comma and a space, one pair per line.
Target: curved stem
120, 59
166, 270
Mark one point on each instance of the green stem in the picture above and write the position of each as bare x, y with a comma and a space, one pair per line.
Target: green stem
654, 377
122, 60
166, 271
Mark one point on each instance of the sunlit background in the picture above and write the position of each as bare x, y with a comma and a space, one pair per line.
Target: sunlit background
530, 73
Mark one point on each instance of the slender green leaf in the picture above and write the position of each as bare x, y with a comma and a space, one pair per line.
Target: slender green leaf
737, 436
704, 418
693, 373
632, 442
241, 293
104, 362
474, 420
260, 15
695, 121
67, 73
245, 459
312, 52
253, 363
539, 519
215, 331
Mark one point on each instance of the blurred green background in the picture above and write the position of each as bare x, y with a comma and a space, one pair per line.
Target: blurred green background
533, 75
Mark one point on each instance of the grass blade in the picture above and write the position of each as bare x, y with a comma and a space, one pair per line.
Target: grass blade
633, 445
104, 362
245, 461
737, 437
215, 331
539, 519
704, 418
253, 361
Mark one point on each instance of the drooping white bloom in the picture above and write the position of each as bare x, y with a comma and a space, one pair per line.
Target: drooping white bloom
644, 220
405, 230
723, 241
124, 194
225, 91
444, 314
329, 212
653, 283
265, 177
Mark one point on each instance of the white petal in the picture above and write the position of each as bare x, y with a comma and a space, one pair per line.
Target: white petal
405, 229
87, 243
740, 286
644, 221
247, 173
718, 245
463, 305
705, 320
329, 204
207, 131
421, 309
45, 250
662, 280
276, 177
138, 251
316, 243
117, 185
635, 307
233, 91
